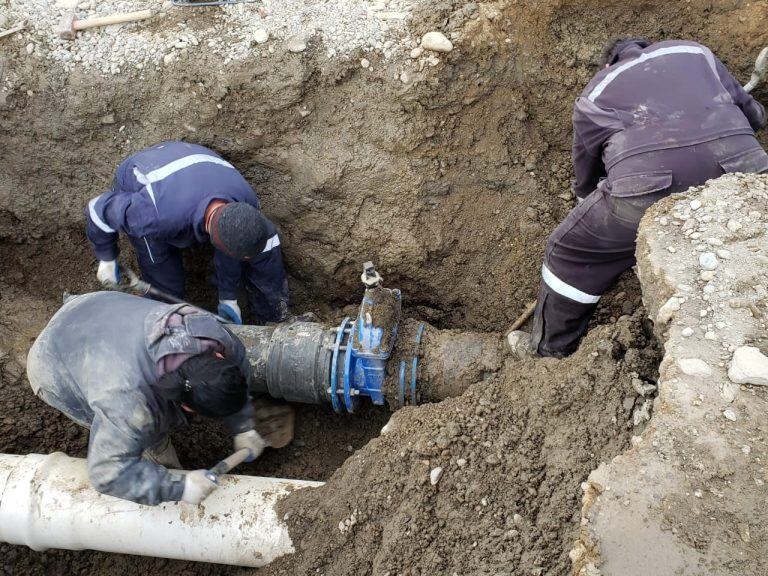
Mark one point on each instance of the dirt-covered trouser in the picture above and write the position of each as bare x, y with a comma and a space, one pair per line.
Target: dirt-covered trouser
596, 241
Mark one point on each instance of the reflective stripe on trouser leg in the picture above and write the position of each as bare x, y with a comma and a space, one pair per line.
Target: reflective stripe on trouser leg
584, 256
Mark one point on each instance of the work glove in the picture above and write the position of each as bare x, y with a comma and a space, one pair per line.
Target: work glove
229, 310
251, 440
108, 273
197, 487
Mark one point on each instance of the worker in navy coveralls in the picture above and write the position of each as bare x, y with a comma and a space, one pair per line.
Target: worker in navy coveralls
172, 195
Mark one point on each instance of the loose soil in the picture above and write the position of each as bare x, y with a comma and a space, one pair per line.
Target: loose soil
449, 182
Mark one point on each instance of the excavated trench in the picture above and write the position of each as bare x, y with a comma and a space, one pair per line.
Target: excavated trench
450, 183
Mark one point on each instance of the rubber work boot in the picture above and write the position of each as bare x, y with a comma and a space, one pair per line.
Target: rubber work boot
519, 344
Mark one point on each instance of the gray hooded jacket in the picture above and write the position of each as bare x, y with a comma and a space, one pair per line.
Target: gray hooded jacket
95, 362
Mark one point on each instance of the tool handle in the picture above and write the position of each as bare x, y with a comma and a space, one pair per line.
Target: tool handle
113, 19
142, 288
228, 463
523, 318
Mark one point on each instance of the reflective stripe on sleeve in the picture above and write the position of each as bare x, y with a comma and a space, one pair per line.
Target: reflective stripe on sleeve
96, 219
566, 289
273, 242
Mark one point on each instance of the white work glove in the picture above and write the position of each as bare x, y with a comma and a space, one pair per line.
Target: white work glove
197, 487
229, 310
251, 440
108, 273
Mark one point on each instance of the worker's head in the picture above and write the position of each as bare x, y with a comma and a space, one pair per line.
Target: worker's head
207, 384
612, 51
239, 230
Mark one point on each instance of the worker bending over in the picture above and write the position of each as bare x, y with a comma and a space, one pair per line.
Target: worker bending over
130, 369
657, 119
173, 195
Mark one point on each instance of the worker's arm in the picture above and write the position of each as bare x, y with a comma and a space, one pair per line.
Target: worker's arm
243, 420
115, 465
592, 126
116, 211
752, 109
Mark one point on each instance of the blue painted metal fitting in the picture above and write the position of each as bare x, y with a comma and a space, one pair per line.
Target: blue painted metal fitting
360, 352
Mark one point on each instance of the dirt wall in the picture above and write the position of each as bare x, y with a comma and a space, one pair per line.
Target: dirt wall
450, 182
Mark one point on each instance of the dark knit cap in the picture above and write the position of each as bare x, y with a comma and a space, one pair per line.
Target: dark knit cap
612, 51
210, 385
239, 230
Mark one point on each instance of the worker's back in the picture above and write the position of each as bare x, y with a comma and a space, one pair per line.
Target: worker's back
666, 96
95, 350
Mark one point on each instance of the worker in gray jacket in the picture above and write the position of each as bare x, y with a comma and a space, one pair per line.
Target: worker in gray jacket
657, 119
130, 369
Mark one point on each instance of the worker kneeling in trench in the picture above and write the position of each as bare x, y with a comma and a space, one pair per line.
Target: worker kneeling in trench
130, 380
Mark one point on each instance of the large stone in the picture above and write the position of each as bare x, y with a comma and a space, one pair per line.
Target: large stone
694, 367
749, 366
436, 41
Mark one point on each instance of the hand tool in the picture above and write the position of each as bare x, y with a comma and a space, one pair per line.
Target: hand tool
213, 474
761, 67
194, 3
70, 25
523, 318
141, 288
17, 28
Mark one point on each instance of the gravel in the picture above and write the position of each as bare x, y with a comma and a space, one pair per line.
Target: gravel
230, 32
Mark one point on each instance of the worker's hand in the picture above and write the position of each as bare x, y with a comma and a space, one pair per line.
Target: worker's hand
197, 487
229, 310
251, 440
108, 273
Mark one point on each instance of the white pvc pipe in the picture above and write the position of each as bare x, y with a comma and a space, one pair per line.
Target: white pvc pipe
47, 502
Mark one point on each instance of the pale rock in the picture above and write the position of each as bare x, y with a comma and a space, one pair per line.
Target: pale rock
461, 462
405, 78
733, 225
729, 392
707, 275
435, 475
714, 242
695, 204
30, 48
416, 52
296, 45
436, 42
365, 63
708, 261
67, 4
642, 413
667, 311
687, 332
663, 221
260, 36
694, 367
168, 58
749, 366
729, 414
724, 254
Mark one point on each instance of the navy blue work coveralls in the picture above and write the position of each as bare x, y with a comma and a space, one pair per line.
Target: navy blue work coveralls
658, 121
96, 362
158, 199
